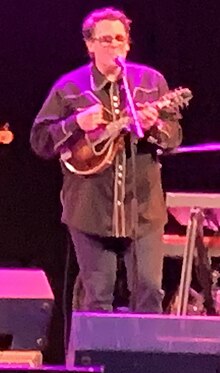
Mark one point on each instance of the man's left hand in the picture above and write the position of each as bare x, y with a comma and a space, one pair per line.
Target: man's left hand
147, 115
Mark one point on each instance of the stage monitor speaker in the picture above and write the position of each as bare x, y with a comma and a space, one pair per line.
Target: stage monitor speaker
26, 302
140, 343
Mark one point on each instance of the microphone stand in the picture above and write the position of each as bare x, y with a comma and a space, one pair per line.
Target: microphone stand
136, 133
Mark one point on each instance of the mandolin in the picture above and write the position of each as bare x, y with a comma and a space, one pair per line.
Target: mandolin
96, 151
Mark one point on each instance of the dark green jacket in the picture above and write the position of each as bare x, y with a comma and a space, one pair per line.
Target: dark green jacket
102, 203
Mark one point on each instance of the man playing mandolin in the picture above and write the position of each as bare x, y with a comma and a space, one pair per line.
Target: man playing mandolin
120, 206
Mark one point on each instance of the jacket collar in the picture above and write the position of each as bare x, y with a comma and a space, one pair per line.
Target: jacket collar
98, 80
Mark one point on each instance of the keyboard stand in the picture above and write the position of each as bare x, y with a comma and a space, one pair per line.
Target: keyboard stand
194, 230
194, 246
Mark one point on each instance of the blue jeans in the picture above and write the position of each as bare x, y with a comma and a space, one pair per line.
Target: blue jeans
97, 261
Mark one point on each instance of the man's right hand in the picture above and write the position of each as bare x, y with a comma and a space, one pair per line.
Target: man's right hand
91, 118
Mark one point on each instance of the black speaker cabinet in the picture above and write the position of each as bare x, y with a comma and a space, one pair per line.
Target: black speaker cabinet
26, 302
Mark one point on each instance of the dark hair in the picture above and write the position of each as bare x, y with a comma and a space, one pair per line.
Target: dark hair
97, 15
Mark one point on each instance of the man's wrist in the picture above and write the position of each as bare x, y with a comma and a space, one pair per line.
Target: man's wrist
69, 125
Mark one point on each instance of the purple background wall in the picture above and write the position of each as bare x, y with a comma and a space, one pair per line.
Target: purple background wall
39, 41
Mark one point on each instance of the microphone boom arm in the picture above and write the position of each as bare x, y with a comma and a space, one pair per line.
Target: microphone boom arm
136, 127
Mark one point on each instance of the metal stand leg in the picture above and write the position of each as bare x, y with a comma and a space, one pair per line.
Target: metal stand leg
186, 274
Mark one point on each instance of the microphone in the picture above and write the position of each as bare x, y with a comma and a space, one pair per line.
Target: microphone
120, 61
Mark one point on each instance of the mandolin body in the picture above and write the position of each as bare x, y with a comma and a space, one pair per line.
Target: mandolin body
82, 160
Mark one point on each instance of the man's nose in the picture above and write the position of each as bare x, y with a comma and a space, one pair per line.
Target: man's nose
114, 43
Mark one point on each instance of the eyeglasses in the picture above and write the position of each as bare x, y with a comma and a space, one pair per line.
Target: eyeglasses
106, 40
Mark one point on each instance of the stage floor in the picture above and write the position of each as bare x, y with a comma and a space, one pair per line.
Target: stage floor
50, 368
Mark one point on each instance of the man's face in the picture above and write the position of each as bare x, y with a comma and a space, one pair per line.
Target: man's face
109, 41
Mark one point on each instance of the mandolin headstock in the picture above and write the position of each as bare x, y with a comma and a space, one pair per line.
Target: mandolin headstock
179, 97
